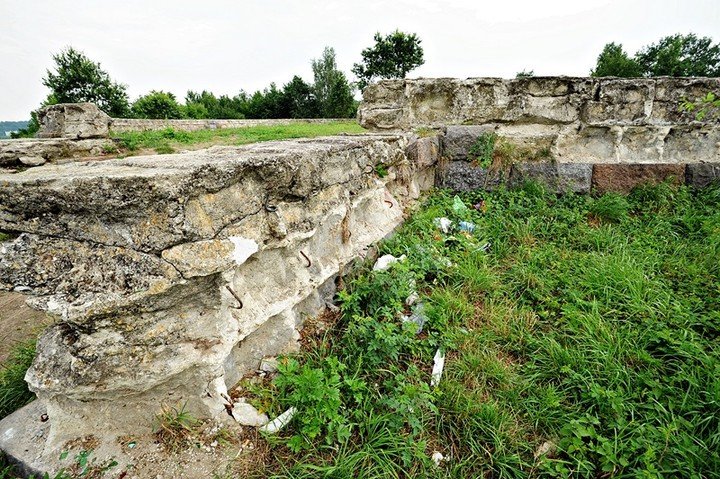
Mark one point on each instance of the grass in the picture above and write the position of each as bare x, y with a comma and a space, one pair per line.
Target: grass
583, 342
14, 392
170, 140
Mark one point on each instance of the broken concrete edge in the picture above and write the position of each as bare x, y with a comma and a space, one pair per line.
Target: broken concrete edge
138, 330
581, 178
34, 152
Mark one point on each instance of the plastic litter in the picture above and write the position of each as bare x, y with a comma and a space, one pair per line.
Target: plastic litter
418, 317
279, 422
443, 224
466, 226
458, 205
438, 366
437, 457
385, 261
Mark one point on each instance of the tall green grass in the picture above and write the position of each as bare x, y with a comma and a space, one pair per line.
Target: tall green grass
582, 343
14, 392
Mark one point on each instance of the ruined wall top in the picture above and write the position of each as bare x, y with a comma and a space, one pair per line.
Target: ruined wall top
436, 102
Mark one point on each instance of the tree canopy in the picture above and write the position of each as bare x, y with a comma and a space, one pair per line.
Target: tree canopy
157, 104
392, 56
674, 55
78, 79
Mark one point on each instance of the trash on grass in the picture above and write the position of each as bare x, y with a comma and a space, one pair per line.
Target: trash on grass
438, 366
418, 317
412, 298
279, 422
458, 205
385, 261
437, 458
466, 226
443, 224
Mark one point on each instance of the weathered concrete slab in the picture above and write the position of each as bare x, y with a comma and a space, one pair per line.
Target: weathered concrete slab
76, 121
157, 269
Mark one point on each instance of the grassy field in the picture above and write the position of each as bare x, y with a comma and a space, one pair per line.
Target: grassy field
169, 140
581, 340
580, 335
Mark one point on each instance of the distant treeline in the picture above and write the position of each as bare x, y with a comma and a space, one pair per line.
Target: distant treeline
6, 127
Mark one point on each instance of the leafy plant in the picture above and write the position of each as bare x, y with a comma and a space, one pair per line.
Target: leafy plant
706, 107
157, 104
481, 152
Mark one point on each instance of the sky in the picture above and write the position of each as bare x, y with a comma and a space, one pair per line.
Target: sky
224, 46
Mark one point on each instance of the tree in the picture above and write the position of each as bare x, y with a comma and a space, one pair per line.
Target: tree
614, 62
331, 88
680, 56
299, 99
392, 56
78, 79
157, 104
674, 55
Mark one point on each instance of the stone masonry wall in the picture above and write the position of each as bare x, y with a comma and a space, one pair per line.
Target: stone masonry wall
602, 133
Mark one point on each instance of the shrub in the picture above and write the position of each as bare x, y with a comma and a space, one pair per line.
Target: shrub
157, 105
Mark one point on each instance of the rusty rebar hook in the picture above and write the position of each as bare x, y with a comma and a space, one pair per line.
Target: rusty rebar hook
235, 295
309, 263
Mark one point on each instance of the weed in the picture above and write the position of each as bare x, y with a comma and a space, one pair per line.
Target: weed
573, 349
481, 152
381, 170
174, 427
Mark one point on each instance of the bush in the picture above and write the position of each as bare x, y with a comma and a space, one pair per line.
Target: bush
157, 105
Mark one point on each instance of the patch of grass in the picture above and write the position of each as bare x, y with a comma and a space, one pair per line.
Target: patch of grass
174, 427
573, 348
4, 236
14, 392
170, 140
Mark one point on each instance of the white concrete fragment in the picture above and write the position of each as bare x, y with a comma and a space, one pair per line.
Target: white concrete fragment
279, 422
438, 366
247, 415
244, 248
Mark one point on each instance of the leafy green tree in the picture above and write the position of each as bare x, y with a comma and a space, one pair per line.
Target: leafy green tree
78, 79
614, 62
299, 99
157, 104
680, 56
674, 55
392, 56
331, 88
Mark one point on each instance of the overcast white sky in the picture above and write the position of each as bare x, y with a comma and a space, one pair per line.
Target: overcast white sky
226, 45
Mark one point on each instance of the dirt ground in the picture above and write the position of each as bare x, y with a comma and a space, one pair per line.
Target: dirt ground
18, 322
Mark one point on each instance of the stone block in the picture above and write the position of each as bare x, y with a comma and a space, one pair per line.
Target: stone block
592, 144
73, 120
558, 177
622, 178
464, 176
620, 101
692, 143
458, 140
701, 175
424, 152
641, 144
